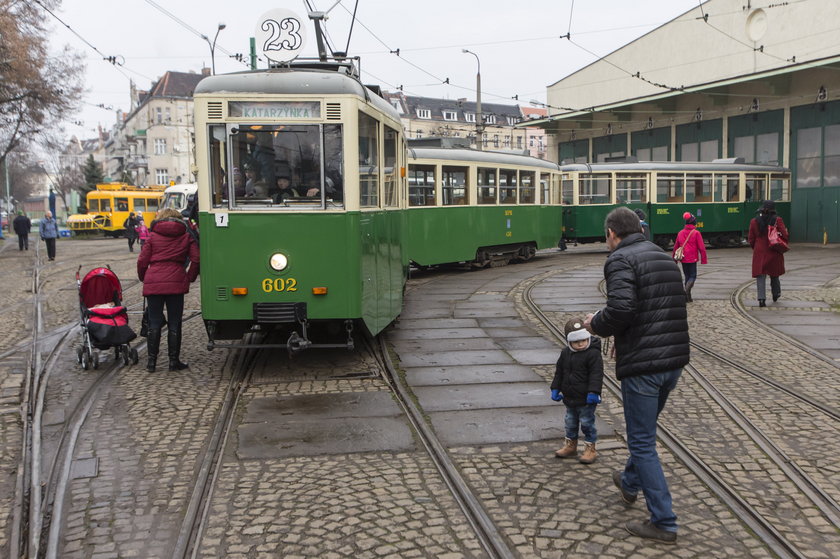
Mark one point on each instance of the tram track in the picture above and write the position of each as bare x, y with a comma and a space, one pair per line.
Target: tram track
721, 484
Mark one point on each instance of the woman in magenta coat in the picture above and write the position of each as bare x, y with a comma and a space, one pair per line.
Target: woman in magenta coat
765, 261
167, 264
694, 250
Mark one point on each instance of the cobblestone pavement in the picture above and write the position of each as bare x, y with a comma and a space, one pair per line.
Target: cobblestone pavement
152, 430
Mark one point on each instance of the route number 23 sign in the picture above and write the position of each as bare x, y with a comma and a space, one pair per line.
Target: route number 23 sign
280, 35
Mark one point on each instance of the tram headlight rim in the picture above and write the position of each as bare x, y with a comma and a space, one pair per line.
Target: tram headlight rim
278, 262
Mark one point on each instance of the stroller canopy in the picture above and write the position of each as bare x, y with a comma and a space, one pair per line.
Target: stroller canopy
100, 286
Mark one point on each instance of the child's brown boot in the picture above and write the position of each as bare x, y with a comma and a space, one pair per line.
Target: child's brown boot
568, 450
589, 455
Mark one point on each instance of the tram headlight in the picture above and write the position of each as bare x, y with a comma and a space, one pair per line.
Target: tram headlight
278, 262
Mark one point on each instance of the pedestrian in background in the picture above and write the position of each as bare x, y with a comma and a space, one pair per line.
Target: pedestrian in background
162, 268
130, 225
693, 250
578, 379
766, 261
142, 231
48, 229
22, 225
643, 222
646, 314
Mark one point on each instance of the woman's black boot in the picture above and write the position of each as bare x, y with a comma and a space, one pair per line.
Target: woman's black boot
761, 303
152, 348
174, 342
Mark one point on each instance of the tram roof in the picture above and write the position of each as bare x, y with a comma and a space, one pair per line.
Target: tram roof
293, 81
675, 166
495, 157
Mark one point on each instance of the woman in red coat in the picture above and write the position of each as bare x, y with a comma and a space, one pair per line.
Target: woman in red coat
694, 250
167, 264
765, 261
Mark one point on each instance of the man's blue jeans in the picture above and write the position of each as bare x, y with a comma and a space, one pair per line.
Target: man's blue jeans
644, 397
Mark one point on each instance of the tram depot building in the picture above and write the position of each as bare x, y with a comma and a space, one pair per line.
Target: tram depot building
730, 78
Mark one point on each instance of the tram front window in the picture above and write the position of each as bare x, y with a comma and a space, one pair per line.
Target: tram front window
279, 166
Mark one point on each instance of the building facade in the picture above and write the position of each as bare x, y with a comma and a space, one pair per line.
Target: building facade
725, 79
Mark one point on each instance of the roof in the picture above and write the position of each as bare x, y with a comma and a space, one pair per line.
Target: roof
489, 157
175, 84
437, 106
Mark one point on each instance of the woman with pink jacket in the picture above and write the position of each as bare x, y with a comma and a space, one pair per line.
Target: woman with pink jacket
694, 250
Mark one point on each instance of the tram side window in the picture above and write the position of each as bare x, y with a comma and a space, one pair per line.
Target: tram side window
545, 188
527, 187
389, 170
780, 187
368, 161
121, 204
421, 185
727, 188
487, 185
756, 188
507, 186
670, 188
698, 188
218, 165
152, 204
594, 189
139, 205
567, 191
454, 185
631, 188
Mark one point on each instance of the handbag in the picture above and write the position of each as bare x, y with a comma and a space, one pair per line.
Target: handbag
678, 254
775, 240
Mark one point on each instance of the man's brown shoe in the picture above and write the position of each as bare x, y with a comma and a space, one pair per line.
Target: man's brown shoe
650, 531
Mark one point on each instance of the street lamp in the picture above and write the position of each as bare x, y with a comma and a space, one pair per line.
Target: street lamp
213, 46
479, 123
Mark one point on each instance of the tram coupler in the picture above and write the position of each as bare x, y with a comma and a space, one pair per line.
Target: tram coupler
296, 344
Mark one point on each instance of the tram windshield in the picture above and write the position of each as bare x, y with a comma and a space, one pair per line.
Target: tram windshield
277, 166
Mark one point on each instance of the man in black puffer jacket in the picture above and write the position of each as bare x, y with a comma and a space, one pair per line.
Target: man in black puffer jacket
646, 314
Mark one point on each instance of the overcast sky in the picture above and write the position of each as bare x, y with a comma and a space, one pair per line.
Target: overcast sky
518, 42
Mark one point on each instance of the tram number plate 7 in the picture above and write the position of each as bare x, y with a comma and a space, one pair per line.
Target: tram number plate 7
279, 284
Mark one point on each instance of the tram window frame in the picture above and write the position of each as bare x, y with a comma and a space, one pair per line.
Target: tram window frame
121, 203
454, 185
727, 187
508, 183
567, 190
698, 183
421, 185
390, 158
780, 187
368, 137
527, 187
633, 186
670, 188
153, 204
218, 172
138, 205
755, 187
591, 189
488, 181
545, 188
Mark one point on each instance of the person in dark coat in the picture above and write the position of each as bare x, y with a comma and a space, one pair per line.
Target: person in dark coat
643, 223
766, 261
162, 268
22, 225
130, 225
578, 379
646, 313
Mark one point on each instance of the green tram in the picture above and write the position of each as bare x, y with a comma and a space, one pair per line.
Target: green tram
301, 198
723, 194
484, 208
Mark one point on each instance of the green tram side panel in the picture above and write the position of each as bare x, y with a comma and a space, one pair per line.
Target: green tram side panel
438, 235
383, 270
323, 251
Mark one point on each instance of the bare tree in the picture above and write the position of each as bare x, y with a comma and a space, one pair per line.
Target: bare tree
37, 91
64, 179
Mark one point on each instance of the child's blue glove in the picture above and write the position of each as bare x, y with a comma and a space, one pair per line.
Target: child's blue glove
556, 396
593, 398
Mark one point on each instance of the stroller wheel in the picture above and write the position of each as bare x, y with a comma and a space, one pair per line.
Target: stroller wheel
125, 355
95, 359
134, 357
79, 353
85, 360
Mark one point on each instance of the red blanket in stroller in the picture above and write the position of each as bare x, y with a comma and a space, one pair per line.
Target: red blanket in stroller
108, 326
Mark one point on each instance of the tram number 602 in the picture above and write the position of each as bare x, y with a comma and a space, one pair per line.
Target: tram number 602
279, 284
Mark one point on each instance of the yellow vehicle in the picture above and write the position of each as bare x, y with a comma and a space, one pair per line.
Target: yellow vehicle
109, 205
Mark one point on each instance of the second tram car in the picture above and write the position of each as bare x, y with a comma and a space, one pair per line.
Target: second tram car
110, 204
724, 195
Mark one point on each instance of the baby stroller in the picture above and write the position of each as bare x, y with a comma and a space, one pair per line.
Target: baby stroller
104, 319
